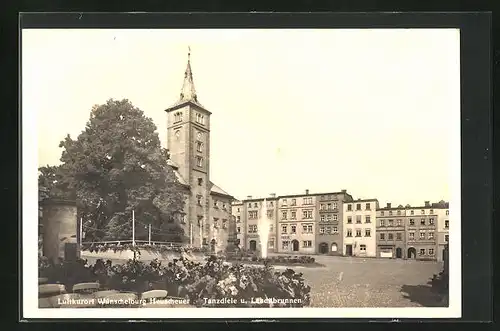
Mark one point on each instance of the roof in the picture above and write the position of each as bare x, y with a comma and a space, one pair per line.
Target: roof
188, 93
217, 190
363, 200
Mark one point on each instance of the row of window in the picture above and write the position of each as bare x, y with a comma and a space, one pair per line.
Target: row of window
358, 219
216, 223
411, 222
305, 244
328, 230
306, 214
306, 228
328, 206
411, 236
257, 204
358, 206
293, 202
368, 233
329, 218
216, 204
412, 212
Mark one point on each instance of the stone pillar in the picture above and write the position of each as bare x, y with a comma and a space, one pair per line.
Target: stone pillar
60, 229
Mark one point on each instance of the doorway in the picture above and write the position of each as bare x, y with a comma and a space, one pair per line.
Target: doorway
412, 253
253, 245
348, 250
295, 245
399, 253
323, 248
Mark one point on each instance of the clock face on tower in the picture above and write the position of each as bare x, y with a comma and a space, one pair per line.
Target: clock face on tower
199, 135
177, 133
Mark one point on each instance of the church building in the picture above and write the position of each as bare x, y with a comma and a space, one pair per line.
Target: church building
207, 221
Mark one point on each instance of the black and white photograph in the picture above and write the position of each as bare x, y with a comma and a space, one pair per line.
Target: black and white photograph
277, 169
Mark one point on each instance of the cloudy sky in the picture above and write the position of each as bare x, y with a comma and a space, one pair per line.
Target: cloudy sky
375, 112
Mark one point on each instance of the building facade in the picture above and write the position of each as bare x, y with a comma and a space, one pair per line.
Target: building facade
239, 220
443, 227
252, 219
390, 228
413, 232
297, 218
208, 207
421, 232
330, 226
359, 221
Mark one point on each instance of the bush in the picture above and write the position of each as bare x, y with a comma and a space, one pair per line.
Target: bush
275, 259
232, 285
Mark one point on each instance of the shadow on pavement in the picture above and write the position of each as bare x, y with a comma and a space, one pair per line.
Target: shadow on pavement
423, 295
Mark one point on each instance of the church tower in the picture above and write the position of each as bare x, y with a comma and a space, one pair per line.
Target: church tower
188, 142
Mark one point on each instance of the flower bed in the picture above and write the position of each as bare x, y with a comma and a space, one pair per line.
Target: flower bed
280, 259
213, 284
156, 248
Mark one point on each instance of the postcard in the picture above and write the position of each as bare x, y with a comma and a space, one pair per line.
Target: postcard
263, 173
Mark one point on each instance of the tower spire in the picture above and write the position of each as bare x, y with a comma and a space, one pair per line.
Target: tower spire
188, 92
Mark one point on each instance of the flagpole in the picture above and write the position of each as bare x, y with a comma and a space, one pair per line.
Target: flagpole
149, 234
133, 228
81, 231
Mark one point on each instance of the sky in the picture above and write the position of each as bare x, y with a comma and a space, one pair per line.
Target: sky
375, 112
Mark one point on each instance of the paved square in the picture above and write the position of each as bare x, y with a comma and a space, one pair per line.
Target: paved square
358, 282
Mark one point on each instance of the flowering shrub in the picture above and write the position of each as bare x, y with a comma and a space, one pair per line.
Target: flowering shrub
156, 248
283, 259
215, 283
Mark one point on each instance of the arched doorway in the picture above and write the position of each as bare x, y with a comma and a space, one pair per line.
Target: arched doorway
295, 245
213, 243
323, 248
412, 253
253, 245
334, 247
399, 253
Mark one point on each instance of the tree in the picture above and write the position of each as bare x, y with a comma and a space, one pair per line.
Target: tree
117, 165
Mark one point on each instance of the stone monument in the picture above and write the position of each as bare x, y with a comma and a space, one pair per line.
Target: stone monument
60, 229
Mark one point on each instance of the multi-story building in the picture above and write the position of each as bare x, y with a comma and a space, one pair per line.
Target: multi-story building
296, 222
360, 227
252, 209
311, 223
390, 229
421, 232
239, 220
413, 232
443, 225
329, 227
208, 207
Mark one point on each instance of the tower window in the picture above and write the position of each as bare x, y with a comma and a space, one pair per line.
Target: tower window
199, 161
177, 117
199, 146
200, 181
200, 119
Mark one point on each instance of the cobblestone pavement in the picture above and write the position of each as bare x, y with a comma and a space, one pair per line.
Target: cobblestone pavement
357, 282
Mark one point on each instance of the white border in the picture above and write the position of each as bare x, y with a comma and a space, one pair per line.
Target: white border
30, 255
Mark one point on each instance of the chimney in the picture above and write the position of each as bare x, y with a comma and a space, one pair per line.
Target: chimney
427, 203
249, 197
388, 205
344, 191
273, 195
307, 192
